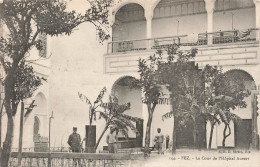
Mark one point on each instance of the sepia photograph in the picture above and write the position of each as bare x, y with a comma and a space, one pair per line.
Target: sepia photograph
129, 83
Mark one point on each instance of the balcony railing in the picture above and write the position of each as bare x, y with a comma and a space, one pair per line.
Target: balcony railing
32, 159
218, 37
234, 36
143, 44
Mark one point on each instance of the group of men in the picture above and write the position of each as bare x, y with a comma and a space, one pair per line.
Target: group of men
75, 142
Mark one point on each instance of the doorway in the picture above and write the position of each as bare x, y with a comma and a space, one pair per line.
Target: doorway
243, 130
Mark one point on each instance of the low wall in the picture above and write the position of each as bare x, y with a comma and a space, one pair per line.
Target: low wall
39, 159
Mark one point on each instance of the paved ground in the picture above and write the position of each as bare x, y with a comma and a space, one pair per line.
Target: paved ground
215, 158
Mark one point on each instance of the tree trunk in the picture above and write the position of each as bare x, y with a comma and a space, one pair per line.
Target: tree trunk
91, 116
211, 134
225, 136
100, 137
20, 148
174, 136
9, 89
148, 131
195, 136
1, 116
7, 145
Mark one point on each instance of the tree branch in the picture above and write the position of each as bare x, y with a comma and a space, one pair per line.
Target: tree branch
35, 36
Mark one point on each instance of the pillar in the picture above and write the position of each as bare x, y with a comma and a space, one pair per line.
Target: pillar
210, 5
258, 119
111, 17
1, 89
255, 120
149, 18
257, 16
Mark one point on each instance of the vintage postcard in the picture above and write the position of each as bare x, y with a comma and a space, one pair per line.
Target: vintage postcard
129, 83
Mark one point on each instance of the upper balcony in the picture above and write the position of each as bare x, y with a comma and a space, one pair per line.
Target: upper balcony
141, 28
202, 39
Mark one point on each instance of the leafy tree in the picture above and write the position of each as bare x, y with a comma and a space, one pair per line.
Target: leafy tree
151, 89
180, 75
229, 93
113, 115
24, 21
26, 82
199, 95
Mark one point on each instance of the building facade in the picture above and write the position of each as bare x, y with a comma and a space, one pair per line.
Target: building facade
226, 34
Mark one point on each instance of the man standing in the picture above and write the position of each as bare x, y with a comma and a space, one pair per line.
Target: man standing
74, 141
112, 141
159, 140
75, 145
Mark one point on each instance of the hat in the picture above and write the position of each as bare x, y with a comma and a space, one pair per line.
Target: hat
74, 128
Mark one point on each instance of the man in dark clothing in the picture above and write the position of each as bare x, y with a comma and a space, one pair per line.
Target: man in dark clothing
75, 145
74, 141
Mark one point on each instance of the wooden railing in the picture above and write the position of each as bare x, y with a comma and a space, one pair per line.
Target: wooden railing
219, 37
34, 159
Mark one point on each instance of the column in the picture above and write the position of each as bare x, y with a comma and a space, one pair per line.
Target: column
149, 18
258, 118
257, 16
255, 120
210, 5
148, 27
110, 45
1, 88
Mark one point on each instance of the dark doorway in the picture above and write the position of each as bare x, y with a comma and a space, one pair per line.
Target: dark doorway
184, 136
188, 137
243, 134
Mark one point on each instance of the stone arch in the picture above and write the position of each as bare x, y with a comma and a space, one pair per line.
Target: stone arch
40, 113
41, 102
129, 23
120, 5
155, 4
240, 70
131, 7
242, 135
242, 74
133, 96
120, 79
178, 15
227, 15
